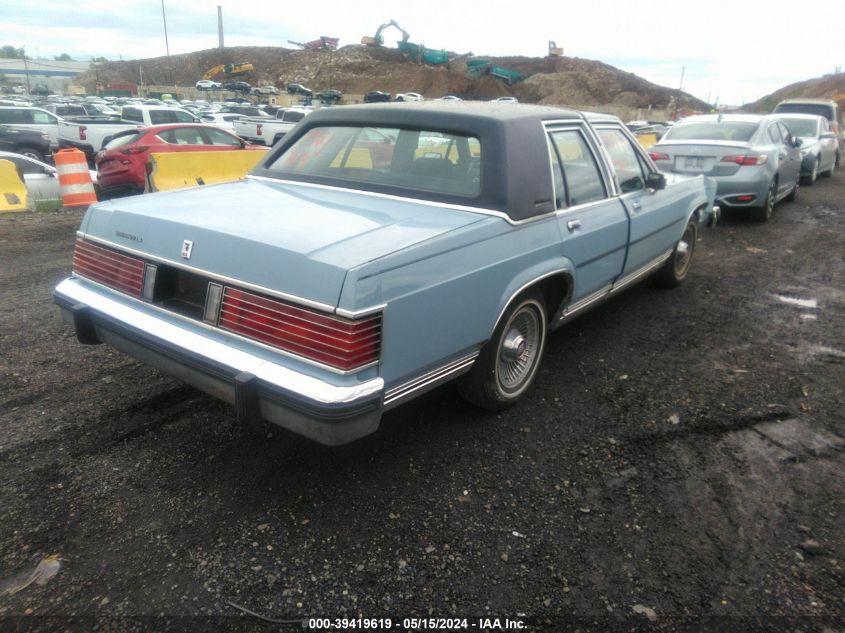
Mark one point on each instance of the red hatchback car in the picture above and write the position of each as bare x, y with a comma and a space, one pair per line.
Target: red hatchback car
122, 163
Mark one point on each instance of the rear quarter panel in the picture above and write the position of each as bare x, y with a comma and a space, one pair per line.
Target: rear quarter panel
444, 297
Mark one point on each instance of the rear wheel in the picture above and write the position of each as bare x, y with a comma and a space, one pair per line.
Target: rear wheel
675, 270
762, 214
31, 152
508, 362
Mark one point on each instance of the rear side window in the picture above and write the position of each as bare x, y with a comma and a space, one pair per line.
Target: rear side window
132, 114
625, 161
42, 117
219, 137
582, 179
15, 116
182, 136
292, 116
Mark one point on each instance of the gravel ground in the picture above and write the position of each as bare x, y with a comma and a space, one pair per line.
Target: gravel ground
678, 465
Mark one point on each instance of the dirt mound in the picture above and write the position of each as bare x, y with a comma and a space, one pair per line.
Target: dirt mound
359, 69
819, 88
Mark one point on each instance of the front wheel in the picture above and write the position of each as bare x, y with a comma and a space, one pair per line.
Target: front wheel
675, 270
508, 362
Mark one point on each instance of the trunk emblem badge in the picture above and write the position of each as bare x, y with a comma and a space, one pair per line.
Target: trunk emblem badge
187, 247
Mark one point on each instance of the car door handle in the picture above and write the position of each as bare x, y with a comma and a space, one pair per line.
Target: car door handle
636, 206
573, 225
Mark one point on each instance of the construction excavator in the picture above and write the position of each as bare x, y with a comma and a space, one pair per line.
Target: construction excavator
228, 70
378, 39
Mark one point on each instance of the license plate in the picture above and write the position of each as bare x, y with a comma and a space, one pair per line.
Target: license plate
694, 162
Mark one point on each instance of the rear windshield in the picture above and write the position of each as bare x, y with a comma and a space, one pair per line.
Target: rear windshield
421, 160
819, 109
712, 131
123, 139
802, 127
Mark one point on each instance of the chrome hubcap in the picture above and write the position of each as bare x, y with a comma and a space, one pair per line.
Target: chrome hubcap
519, 349
683, 252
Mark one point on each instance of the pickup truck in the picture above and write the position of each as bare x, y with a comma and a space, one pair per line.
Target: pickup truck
268, 131
379, 251
91, 134
30, 143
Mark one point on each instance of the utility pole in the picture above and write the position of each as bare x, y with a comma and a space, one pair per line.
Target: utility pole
166, 42
683, 68
26, 71
219, 26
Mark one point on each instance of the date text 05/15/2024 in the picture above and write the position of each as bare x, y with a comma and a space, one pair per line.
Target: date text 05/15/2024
415, 624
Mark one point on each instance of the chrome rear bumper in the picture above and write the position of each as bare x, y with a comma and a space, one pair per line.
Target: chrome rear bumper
327, 413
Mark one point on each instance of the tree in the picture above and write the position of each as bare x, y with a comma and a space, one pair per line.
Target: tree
64, 57
98, 60
10, 52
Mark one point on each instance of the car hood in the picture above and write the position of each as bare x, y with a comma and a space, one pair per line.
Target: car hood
292, 238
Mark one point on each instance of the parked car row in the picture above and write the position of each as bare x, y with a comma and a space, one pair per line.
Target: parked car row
756, 160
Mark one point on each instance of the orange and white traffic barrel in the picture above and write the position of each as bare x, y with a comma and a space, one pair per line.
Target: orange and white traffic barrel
74, 178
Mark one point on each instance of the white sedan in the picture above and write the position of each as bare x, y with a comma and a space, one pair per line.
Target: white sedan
225, 120
41, 179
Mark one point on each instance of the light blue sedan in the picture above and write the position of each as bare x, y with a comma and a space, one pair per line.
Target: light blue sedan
379, 251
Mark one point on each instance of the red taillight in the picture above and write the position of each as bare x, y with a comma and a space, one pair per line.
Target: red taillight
109, 267
258, 127
136, 149
82, 135
746, 159
658, 156
340, 343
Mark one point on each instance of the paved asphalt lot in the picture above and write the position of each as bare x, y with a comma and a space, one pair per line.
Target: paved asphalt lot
678, 465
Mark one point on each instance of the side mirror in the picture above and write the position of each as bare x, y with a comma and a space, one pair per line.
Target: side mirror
796, 142
655, 180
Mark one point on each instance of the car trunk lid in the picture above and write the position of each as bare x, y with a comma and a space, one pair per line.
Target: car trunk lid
700, 157
289, 238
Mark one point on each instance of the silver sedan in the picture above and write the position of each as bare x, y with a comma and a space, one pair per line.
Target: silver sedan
754, 159
818, 145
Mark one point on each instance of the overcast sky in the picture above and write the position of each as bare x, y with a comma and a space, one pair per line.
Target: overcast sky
733, 50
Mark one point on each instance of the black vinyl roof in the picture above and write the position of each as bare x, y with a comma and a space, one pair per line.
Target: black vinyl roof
516, 173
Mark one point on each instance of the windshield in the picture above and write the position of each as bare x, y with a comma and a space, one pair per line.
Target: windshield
802, 127
712, 131
422, 160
